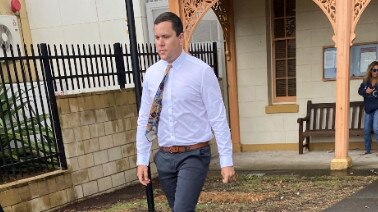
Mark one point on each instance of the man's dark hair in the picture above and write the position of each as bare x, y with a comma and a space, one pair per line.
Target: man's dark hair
173, 18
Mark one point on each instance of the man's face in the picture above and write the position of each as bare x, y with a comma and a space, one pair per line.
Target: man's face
168, 44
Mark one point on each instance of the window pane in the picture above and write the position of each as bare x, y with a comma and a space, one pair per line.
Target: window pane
292, 91
291, 68
279, 28
284, 49
279, 7
280, 49
280, 69
281, 88
291, 48
290, 27
290, 7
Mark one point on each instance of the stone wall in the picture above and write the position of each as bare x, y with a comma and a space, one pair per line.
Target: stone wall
99, 140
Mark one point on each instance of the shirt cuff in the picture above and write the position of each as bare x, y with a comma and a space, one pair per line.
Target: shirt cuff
143, 160
225, 161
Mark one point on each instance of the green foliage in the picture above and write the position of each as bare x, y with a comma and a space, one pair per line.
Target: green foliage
23, 134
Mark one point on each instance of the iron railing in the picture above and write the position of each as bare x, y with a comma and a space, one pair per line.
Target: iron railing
30, 133
78, 68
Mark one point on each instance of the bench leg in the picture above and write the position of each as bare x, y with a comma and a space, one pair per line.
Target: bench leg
300, 147
308, 143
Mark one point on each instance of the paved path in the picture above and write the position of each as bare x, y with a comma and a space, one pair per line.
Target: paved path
316, 161
291, 160
364, 200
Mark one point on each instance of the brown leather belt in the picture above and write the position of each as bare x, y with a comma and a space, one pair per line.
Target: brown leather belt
180, 149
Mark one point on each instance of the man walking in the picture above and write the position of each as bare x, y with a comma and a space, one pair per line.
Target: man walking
180, 109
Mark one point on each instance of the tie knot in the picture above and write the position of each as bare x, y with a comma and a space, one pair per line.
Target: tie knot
169, 66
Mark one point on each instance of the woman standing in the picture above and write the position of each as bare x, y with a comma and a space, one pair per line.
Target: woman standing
369, 90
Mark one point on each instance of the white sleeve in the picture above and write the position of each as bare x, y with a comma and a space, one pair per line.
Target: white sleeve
143, 146
212, 98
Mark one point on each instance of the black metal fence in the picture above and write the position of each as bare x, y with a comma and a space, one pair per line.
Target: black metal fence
30, 133
97, 67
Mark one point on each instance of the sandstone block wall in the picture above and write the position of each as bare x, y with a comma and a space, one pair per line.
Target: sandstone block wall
99, 139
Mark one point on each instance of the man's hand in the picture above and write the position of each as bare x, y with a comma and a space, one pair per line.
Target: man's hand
142, 173
228, 174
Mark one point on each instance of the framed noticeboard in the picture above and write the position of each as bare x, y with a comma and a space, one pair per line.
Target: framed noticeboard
361, 55
329, 63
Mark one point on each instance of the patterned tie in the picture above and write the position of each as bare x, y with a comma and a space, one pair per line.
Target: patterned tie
153, 120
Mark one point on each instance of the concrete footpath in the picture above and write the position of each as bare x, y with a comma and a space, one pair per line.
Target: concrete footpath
315, 162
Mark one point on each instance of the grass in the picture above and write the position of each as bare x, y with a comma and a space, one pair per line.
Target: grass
262, 193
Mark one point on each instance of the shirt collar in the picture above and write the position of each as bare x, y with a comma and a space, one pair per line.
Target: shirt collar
179, 60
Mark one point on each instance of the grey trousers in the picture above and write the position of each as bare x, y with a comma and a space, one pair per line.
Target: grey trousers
182, 176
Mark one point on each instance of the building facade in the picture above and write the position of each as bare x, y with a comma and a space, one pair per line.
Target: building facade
279, 54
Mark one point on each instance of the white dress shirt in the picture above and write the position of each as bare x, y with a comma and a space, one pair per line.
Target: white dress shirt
192, 108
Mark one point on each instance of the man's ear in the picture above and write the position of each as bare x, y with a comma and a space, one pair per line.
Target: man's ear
181, 38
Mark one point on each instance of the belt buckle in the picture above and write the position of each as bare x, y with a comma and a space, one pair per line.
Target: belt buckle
171, 149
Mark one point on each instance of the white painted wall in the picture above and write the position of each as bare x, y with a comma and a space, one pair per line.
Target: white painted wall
83, 21
313, 33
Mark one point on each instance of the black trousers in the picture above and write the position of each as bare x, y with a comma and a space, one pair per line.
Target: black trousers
182, 176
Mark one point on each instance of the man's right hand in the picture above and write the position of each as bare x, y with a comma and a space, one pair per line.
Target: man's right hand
142, 173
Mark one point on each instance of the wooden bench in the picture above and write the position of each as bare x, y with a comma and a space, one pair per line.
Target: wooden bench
320, 121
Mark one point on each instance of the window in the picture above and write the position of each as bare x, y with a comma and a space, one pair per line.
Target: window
361, 55
283, 44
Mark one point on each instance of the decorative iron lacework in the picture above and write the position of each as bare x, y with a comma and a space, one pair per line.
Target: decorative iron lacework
220, 10
358, 6
329, 7
193, 10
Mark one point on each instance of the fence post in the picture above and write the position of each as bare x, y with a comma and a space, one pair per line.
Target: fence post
138, 86
215, 56
53, 106
120, 65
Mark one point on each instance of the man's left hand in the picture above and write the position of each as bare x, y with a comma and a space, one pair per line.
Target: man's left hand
228, 174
